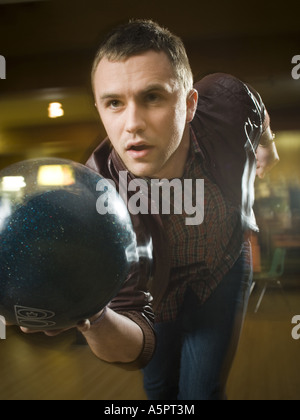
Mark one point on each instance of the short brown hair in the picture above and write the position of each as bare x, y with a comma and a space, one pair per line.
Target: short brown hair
139, 36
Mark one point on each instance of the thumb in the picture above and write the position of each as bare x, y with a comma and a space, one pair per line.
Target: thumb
84, 326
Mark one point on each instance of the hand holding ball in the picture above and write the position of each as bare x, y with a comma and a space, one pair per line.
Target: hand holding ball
60, 261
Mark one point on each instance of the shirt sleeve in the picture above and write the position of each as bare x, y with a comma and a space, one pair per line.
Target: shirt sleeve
261, 109
133, 300
231, 105
228, 125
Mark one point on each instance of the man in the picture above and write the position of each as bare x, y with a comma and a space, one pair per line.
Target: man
160, 126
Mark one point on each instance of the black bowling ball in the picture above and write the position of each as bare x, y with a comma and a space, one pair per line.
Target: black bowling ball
60, 260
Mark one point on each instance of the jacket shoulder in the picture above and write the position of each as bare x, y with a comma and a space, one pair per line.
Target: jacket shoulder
216, 81
227, 125
226, 94
98, 161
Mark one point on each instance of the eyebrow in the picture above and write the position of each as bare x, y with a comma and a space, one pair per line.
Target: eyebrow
151, 88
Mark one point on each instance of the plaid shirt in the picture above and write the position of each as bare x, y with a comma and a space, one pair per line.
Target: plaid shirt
229, 116
201, 255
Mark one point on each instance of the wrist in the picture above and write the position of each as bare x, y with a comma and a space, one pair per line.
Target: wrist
98, 318
87, 324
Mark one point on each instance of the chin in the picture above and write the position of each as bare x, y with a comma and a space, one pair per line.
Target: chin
142, 171
142, 174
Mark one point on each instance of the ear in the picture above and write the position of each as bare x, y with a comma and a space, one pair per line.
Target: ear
192, 102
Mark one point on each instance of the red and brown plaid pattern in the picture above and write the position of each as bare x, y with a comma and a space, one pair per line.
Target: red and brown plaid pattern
201, 255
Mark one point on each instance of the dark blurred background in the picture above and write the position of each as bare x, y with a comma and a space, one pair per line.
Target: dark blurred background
49, 47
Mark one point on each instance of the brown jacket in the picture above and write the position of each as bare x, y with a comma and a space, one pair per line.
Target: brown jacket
228, 124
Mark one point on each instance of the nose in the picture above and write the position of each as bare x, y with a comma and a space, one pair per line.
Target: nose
135, 119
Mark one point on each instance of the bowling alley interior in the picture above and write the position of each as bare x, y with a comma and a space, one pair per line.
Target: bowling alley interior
47, 110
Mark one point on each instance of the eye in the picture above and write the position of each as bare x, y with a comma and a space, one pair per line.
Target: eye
152, 97
114, 104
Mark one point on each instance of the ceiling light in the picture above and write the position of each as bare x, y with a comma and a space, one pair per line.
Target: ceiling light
55, 110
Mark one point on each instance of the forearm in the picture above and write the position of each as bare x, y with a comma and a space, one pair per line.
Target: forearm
115, 338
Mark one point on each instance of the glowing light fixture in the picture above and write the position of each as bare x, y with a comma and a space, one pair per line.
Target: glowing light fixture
55, 110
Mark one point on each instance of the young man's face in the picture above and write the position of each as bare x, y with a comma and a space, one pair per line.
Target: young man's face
145, 112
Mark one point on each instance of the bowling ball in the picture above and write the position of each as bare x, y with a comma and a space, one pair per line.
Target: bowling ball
60, 260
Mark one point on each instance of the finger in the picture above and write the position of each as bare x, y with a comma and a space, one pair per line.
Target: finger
29, 331
53, 333
84, 326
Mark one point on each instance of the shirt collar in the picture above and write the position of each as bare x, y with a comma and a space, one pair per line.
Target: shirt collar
194, 145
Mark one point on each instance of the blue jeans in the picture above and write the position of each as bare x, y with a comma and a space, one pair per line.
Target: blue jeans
194, 353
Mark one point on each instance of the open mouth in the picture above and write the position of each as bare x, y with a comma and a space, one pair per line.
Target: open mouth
139, 150
138, 147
